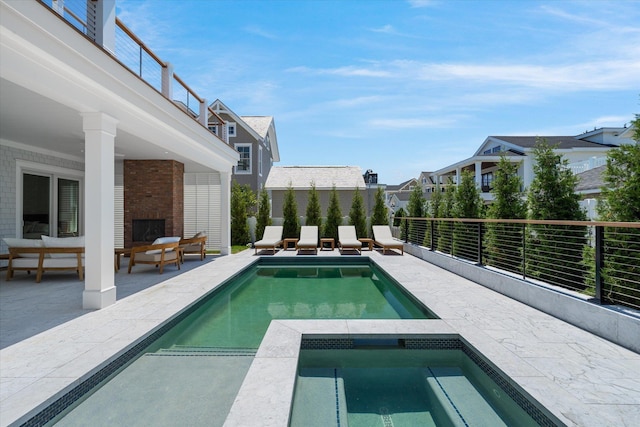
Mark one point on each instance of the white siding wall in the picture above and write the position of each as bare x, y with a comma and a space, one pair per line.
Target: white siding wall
202, 207
118, 205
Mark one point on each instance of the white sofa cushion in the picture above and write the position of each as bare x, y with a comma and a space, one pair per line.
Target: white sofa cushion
63, 242
160, 241
24, 243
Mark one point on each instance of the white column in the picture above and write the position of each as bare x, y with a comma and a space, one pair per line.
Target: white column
479, 174
225, 213
167, 80
203, 118
105, 24
99, 286
458, 175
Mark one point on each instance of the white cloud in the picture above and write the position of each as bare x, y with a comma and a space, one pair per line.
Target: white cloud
421, 3
252, 29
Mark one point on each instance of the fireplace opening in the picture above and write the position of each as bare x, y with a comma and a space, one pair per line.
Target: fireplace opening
147, 230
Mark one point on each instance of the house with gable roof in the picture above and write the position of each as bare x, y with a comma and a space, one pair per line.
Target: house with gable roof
346, 179
255, 139
587, 147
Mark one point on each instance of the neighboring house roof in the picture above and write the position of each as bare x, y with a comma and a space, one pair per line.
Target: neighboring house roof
402, 186
257, 126
324, 177
590, 180
563, 142
258, 123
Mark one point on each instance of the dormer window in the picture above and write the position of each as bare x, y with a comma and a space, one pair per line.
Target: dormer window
214, 129
231, 129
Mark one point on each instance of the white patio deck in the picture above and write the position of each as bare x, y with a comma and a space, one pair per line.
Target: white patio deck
51, 344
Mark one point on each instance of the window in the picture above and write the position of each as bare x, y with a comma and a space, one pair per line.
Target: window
214, 129
49, 201
267, 142
496, 149
260, 161
486, 152
487, 181
244, 163
231, 129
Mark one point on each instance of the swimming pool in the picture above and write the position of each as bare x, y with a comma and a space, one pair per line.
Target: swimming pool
388, 385
189, 371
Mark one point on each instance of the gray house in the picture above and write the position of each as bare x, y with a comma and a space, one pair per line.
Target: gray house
254, 137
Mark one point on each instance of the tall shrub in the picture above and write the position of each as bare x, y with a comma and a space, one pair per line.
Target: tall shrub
620, 202
314, 215
239, 225
467, 203
379, 215
446, 210
264, 214
416, 208
502, 241
290, 224
433, 207
334, 215
553, 252
357, 215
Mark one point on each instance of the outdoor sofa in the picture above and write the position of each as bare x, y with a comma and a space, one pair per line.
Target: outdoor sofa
47, 253
163, 251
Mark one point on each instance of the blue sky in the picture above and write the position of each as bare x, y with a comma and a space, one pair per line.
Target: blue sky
398, 86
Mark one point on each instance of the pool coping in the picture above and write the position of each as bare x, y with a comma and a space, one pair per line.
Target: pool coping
266, 395
579, 377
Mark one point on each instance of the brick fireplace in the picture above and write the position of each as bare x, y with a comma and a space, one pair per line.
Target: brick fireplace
153, 194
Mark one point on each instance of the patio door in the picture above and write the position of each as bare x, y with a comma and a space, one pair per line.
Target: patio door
50, 205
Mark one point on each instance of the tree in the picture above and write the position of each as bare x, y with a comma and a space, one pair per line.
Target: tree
290, 224
620, 202
416, 208
467, 203
402, 223
446, 210
502, 240
249, 198
433, 207
239, 225
314, 216
357, 215
334, 215
379, 216
551, 196
264, 217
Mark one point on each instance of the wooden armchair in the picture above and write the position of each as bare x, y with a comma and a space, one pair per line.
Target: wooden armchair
194, 245
159, 254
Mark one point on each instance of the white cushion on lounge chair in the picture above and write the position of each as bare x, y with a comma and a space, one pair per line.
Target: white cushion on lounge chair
271, 237
308, 237
347, 237
382, 237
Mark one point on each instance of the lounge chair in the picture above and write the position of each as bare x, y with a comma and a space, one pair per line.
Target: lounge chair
195, 245
271, 238
163, 251
347, 238
382, 237
308, 238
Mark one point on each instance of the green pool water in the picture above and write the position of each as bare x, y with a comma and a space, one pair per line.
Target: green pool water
399, 387
239, 315
192, 373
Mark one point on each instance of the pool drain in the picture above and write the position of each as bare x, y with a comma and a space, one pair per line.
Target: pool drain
386, 417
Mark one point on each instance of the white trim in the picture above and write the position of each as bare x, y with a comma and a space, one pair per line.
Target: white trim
55, 172
250, 169
260, 160
34, 149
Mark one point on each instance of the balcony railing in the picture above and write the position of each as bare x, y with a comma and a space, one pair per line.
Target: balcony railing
134, 55
598, 259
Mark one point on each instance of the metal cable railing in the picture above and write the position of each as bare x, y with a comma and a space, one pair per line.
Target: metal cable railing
599, 259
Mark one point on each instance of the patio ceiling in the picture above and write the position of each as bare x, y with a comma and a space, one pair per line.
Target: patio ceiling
35, 120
